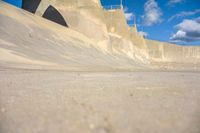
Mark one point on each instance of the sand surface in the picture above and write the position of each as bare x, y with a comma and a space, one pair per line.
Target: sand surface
86, 102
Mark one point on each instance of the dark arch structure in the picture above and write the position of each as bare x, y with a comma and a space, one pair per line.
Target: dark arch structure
52, 14
30, 5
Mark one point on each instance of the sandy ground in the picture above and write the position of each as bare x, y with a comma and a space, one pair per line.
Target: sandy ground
86, 102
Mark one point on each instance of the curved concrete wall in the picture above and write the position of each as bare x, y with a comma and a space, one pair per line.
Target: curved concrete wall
85, 16
166, 52
88, 17
109, 30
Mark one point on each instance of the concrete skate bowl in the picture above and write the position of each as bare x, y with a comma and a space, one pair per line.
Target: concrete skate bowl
30, 5
31, 42
52, 14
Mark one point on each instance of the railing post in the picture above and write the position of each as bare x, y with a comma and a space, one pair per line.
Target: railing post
121, 3
134, 20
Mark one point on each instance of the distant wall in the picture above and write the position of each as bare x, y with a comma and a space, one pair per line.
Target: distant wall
160, 51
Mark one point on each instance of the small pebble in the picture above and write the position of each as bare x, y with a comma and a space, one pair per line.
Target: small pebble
102, 130
3, 110
91, 126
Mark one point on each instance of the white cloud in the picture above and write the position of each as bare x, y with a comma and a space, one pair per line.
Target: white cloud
125, 9
188, 31
152, 13
129, 15
180, 35
144, 34
184, 14
172, 2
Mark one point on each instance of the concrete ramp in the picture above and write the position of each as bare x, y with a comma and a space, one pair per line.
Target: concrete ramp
31, 42
108, 32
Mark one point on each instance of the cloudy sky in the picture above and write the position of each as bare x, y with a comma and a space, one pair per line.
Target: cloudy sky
176, 21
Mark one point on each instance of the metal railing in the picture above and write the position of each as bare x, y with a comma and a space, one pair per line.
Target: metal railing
131, 24
113, 7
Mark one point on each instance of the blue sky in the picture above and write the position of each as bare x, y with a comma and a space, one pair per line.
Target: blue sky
175, 21
17, 3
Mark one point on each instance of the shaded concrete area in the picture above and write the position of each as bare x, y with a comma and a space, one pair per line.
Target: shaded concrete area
30, 5
53, 15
